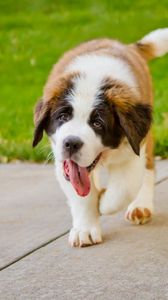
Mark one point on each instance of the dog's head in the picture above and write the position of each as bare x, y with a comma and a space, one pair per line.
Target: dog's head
83, 119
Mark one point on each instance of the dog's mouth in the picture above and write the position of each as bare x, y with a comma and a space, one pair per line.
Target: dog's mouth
79, 176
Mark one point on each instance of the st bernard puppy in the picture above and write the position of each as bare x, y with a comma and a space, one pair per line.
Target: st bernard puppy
97, 111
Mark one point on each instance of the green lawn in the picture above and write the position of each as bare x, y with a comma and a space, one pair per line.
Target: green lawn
33, 34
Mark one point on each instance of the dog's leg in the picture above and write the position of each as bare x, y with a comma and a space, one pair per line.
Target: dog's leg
141, 209
124, 183
85, 215
115, 195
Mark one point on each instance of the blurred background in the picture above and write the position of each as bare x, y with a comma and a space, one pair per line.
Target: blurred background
34, 34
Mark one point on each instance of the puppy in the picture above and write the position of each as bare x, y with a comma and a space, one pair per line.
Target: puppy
96, 109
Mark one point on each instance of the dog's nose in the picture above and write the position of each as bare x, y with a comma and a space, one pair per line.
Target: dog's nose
72, 144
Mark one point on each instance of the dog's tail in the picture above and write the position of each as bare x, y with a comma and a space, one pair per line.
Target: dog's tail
154, 44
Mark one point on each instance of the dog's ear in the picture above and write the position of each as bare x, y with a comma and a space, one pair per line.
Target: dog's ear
41, 118
135, 119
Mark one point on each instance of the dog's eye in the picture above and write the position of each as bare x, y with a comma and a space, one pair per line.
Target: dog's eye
97, 124
64, 117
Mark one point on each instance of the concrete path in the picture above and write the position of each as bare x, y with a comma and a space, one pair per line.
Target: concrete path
37, 263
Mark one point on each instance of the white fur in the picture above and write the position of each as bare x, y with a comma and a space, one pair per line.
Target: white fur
159, 39
97, 67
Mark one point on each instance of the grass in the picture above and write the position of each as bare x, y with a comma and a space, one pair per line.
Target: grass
33, 35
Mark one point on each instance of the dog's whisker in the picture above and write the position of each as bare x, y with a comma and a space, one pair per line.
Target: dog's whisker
42, 149
50, 158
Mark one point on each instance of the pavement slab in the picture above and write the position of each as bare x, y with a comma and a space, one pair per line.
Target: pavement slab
131, 263
33, 209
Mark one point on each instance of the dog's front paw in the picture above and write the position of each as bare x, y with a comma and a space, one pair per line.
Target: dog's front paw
138, 215
82, 238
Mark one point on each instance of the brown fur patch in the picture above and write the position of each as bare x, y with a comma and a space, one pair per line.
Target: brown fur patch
149, 151
147, 213
58, 86
134, 117
139, 215
146, 50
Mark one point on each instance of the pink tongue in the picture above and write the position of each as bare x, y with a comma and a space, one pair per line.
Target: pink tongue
79, 177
